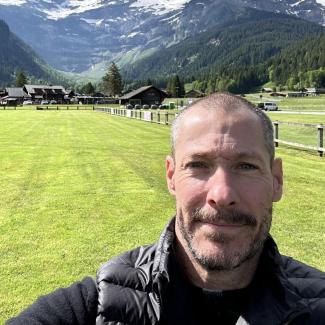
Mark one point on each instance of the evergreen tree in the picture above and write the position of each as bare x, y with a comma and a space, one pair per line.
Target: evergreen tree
88, 88
112, 81
211, 86
148, 82
170, 87
21, 78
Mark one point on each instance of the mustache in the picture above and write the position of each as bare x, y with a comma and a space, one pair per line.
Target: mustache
233, 217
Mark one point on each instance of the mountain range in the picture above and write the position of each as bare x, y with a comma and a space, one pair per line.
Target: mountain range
16, 55
84, 36
249, 40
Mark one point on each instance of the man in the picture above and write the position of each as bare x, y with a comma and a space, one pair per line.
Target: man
215, 263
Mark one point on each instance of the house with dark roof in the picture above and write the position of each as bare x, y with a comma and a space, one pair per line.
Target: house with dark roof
14, 96
147, 95
44, 92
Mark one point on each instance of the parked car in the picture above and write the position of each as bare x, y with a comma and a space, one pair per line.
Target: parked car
154, 106
145, 106
45, 102
163, 106
268, 106
129, 106
53, 101
27, 102
137, 106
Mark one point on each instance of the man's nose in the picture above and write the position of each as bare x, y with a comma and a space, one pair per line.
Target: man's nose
222, 190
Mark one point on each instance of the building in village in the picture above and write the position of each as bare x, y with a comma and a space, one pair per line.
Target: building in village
147, 95
96, 98
193, 93
44, 92
13, 96
314, 91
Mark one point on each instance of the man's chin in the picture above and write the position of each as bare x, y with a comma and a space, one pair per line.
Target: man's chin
222, 255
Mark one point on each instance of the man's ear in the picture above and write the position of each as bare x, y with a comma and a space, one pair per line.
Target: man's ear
170, 170
277, 179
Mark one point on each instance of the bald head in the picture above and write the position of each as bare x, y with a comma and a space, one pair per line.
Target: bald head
229, 104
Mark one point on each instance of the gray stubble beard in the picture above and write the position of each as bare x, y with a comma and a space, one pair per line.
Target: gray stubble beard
225, 261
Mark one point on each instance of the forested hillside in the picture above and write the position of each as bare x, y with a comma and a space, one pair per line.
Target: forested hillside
300, 65
234, 57
16, 55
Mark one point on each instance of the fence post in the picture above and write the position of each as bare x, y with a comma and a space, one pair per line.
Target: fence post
158, 117
166, 118
320, 129
276, 133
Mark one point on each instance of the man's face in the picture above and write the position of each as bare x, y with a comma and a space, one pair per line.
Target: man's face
224, 186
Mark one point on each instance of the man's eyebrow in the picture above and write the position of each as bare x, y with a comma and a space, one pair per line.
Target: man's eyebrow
231, 153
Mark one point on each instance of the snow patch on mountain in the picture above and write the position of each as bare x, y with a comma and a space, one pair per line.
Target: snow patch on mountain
297, 3
159, 7
12, 3
71, 7
95, 22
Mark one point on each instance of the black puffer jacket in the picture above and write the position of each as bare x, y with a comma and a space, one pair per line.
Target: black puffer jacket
143, 287
134, 288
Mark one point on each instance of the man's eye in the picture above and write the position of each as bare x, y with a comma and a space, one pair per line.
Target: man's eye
196, 164
247, 166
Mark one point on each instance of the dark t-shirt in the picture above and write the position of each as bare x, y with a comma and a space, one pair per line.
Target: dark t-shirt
191, 305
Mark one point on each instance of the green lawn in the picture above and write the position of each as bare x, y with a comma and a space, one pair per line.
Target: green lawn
306, 135
78, 187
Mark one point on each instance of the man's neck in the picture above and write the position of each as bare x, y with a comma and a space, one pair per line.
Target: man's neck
237, 278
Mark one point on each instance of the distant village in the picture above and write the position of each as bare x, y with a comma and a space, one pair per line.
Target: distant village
143, 97
46, 95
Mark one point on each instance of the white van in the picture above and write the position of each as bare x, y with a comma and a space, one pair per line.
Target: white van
270, 106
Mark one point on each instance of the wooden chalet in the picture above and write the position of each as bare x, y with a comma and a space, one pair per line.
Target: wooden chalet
147, 95
44, 92
14, 96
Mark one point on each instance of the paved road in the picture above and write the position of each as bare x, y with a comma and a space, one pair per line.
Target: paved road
298, 112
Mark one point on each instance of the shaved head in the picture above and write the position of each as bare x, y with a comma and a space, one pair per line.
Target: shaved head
231, 104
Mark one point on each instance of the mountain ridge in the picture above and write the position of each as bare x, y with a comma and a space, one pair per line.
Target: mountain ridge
106, 30
253, 38
16, 55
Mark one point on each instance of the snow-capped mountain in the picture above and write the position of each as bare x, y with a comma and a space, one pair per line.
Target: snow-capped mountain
78, 35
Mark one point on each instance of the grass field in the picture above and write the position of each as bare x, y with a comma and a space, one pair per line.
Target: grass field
78, 187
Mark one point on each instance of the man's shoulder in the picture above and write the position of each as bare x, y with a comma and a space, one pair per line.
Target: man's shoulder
308, 281
146, 260
127, 263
